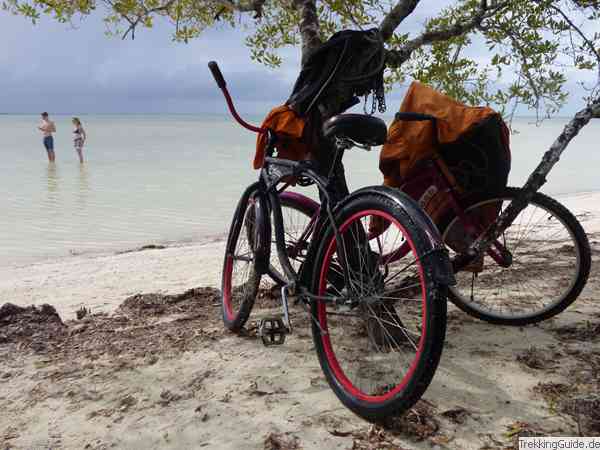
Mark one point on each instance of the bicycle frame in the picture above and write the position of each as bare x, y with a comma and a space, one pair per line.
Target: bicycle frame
273, 172
488, 238
431, 173
437, 174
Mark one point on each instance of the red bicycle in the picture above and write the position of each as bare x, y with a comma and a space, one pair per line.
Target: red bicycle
533, 271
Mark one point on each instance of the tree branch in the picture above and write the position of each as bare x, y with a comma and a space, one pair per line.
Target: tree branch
587, 42
255, 6
135, 19
309, 26
525, 72
396, 16
395, 58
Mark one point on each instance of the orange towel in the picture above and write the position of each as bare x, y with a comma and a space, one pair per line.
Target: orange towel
289, 127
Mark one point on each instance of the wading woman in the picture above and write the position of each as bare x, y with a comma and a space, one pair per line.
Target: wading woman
78, 138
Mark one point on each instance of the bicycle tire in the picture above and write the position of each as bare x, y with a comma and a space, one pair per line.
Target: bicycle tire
242, 228
580, 246
378, 402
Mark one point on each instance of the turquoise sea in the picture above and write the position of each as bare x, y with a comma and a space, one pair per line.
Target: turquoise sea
176, 178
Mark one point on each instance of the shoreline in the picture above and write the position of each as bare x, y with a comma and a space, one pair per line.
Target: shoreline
573, 201
117, 250
100, 281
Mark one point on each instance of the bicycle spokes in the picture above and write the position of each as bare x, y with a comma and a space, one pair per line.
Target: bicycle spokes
240, 277
375, 328
544, 266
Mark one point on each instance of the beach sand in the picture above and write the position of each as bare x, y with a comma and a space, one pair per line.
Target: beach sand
158, 371
101, 282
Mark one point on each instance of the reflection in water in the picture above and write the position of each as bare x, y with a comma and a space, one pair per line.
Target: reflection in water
53, 180
83, 187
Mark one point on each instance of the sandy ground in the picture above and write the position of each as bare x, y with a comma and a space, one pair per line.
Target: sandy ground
158, 370
102, 282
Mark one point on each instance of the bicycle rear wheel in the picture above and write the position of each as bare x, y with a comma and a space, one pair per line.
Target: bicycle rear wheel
379, 336
550, 262
240, 280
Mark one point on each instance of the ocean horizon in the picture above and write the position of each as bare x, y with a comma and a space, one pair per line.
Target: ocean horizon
173, 178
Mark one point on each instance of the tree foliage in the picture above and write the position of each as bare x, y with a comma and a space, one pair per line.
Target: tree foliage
532, 46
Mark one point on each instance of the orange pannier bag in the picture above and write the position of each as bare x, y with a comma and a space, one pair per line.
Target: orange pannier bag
472, 146
411, 142
289, 127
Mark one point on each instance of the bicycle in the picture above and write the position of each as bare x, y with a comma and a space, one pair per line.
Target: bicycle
533, 272
378, 322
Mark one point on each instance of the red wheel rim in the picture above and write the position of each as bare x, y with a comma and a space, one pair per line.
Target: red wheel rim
226, 288
337, 371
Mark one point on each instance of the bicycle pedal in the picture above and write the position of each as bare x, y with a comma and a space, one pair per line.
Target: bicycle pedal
272, 331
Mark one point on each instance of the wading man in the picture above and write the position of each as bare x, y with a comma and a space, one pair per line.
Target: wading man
47, 127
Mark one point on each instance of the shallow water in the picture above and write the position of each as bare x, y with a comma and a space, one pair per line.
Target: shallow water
152, 179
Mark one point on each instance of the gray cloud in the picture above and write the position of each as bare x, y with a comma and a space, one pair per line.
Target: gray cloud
192, 86
54, 67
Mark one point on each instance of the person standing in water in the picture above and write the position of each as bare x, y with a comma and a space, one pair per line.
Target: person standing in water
47, 127
78, 138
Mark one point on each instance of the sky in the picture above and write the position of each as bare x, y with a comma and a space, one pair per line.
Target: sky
52, 66
77, 70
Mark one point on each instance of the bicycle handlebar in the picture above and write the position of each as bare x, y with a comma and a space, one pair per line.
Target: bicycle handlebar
216, 72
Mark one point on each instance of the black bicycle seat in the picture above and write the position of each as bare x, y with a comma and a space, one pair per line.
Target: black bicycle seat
361, 128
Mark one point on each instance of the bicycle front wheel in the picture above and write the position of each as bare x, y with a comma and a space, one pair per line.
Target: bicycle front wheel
240, 280
550, 262
379, 331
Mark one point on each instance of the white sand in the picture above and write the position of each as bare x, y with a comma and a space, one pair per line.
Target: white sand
102, 282
478, 371
586, 207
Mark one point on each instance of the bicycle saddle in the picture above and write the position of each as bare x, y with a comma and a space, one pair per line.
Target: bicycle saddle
360, 128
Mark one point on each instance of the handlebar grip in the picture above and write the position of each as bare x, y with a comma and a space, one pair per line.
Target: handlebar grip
216, 72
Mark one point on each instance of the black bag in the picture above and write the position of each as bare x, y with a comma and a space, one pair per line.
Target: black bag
480, 159
348, 65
